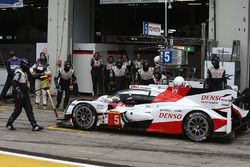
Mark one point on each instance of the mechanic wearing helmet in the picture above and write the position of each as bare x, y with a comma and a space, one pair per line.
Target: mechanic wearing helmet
157, 61
12, 64
63, 82
137, 64
179, 82
107, 70
96, 73
216, 75
158, 77
21, 97
118, 75
39, 69
146, 74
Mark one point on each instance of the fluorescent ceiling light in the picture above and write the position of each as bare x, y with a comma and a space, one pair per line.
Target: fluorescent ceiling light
185, 0
194, 4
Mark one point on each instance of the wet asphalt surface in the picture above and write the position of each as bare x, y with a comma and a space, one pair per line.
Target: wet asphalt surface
108, 147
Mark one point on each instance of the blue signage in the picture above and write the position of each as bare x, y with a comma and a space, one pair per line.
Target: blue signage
145, 28
11, 3
167, 57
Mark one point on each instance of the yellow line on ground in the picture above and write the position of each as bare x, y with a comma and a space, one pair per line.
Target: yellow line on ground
52, 127
9, 159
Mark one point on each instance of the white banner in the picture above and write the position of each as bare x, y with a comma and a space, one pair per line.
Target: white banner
151, 29
41, 47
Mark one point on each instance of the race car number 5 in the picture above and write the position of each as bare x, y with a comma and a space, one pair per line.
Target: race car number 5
114, 119
117, 120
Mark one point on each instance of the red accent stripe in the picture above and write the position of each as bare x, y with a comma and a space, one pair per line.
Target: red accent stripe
166, 127
218, 123
167, 96
84, 52
180, 91
237, 112
222, 108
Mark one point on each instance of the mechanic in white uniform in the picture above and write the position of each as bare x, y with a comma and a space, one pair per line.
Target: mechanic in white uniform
118, 76
39, 69
21, 97
216, 75
128, 64
158, 77
137, 64
145, 74
107, 70
63, 81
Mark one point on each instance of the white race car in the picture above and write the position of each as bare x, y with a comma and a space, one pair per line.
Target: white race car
196, 113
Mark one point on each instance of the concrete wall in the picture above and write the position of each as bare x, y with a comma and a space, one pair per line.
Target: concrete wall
232, 23
60, 31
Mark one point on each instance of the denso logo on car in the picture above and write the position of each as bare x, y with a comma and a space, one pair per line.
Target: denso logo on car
170, 115
211, 99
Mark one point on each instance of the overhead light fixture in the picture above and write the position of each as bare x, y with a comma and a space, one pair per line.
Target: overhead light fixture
194, 4
170, 31
185, 0
169, 5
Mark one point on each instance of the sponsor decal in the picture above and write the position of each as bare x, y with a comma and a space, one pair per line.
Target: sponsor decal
170, 115
99, 106
210, 99
165, 110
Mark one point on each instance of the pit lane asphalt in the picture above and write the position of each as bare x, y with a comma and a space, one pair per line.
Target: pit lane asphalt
116, 148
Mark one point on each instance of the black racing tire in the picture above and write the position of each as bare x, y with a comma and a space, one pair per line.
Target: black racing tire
84, 117
198, 126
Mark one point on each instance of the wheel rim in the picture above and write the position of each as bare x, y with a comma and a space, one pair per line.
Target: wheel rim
197, 128
84, 117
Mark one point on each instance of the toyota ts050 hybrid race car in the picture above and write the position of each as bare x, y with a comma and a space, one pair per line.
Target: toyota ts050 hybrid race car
196, 113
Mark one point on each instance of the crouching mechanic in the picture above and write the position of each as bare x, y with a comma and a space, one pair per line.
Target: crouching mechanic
158, 77
39, 69
21, 97
63, 81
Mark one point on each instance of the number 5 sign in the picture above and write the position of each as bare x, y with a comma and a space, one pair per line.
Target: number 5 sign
167, 56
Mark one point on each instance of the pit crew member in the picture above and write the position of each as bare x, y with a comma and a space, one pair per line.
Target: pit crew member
145, 74
216, 75
39, 69
64, 81
21, 97
12, 64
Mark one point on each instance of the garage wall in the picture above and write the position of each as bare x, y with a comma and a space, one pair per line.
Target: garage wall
232, 23
83, 21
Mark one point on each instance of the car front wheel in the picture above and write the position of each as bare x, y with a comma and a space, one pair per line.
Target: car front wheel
198, 126
84, 117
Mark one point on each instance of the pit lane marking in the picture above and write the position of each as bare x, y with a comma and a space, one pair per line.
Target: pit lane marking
9, 159
53, 127
40, 110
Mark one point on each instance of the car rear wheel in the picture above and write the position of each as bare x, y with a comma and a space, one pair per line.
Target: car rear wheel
198, 126
84, 117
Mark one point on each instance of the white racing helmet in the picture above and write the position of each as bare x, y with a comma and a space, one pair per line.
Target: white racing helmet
157, 60
179, 81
